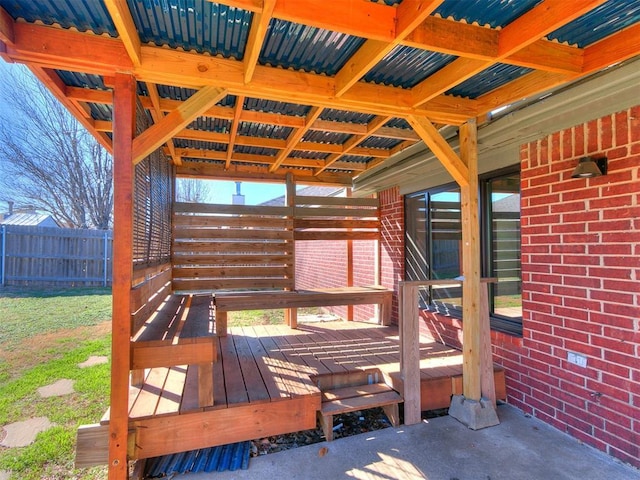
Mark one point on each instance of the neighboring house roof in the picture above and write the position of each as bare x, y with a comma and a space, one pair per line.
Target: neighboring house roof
31, 220
313, 191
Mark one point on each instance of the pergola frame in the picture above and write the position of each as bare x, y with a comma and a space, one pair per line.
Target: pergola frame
123, 61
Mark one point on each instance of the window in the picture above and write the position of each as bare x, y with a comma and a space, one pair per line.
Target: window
433, 246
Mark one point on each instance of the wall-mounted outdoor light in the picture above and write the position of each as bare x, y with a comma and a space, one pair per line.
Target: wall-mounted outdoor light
590, 167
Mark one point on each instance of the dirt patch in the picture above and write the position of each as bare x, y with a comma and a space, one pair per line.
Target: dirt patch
37, 349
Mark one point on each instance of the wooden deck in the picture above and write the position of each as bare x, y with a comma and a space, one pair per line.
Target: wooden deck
268, 381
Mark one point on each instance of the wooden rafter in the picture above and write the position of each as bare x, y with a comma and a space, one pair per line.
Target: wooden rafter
410, 14
159, 133
157, 115
295, 137
353, 142
257, 33
384, 27
519, 34
234, 130
126, 28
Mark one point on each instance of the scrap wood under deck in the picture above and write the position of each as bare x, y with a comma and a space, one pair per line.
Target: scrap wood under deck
269, 380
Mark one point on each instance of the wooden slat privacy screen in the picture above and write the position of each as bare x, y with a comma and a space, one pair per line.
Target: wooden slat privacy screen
235, 247
218, 247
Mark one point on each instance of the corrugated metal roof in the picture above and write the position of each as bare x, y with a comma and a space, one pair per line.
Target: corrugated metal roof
101, 111
489, 79
197, 25
301, 47
269, 106
407, 66
209, 124
309, 155
325, 137
83, 15
398, 123
349, 117
599, 23
380, 142
263, 130
199, 145
82, 80
355, 159
214, 459
496, 13
269, 152
30, 219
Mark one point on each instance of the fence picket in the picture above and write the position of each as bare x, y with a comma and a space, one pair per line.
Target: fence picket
55, 256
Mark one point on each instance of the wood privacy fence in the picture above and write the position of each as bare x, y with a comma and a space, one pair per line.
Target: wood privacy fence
54, 256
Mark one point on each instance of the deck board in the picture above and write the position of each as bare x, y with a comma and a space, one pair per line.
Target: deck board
272, 363
265, 373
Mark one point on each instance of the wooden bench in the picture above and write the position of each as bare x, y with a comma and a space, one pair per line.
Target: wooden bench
179, 332
292, 300
352, 399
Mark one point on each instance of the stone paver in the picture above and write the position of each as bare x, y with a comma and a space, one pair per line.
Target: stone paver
93, 360
21, 434
57, 389
4, 475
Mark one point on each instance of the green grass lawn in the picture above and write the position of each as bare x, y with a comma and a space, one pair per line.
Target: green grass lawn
44, 335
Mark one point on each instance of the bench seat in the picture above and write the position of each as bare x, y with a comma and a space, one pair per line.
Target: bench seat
294, 299
179, 332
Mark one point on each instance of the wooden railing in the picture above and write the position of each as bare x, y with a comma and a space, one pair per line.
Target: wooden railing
410, 344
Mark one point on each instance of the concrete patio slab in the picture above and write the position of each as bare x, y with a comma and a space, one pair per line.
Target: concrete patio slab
21, 434
57, 389
520, 448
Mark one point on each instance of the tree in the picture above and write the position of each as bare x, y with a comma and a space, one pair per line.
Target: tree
48, 158
192, 190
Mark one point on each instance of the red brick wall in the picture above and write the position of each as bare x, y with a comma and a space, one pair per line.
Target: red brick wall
324, 264
581, 288
392, 242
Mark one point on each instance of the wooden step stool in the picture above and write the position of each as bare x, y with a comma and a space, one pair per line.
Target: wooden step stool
360, 397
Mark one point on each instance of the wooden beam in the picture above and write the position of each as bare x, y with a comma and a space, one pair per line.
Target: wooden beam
295, 137
52, 47
157, 115
522, 32
409, 14
410, 352
350, 144
473, 41
7, 34
158, 134
122, 19
471, 286
257, 33
254, 173
124, 113
353, 17
57, 87
542, 19
441, 149
613, 49
234, 129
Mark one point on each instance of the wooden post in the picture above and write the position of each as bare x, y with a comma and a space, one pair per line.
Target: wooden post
410, 352
349, 268
124, 113
488, 385
291, 314
470, 263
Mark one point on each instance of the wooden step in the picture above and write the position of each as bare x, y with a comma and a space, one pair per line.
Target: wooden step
360, 397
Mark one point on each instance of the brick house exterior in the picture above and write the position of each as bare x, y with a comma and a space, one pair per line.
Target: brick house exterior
580, 285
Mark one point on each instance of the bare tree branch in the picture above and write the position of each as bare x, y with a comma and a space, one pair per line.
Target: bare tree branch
49, 160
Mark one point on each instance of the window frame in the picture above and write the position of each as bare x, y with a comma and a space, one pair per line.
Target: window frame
502, 323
